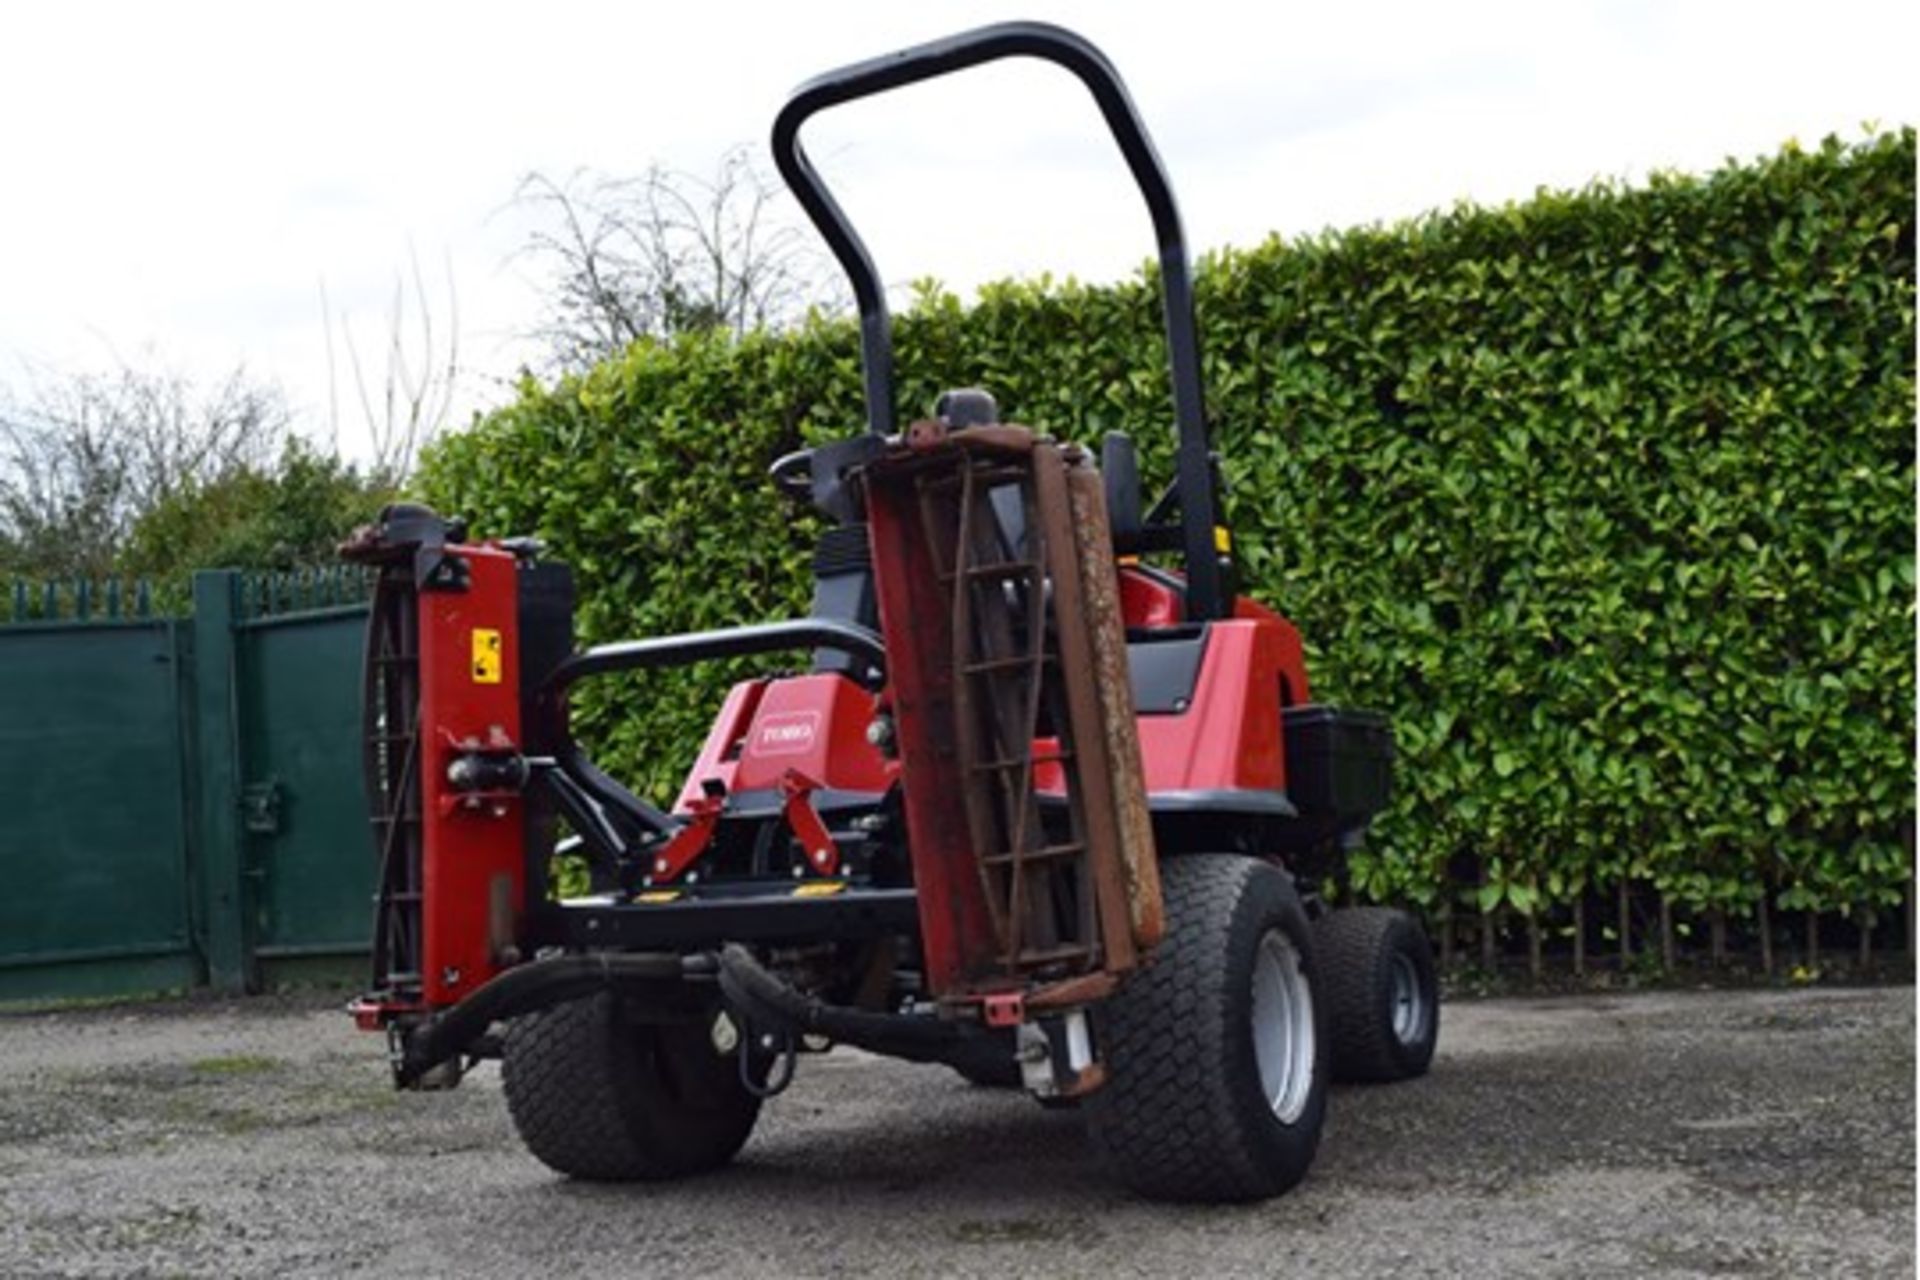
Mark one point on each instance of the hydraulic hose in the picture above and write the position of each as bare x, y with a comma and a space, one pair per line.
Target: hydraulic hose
525, 988
753, 993
768, 1002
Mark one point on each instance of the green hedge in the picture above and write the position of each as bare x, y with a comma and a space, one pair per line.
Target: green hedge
1606, 497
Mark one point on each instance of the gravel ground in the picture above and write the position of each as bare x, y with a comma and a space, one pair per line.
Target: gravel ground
1710, 1133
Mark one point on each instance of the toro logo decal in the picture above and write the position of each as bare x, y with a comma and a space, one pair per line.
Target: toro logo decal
786, 733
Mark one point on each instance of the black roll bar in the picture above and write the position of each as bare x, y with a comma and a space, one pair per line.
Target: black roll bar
1194, 478
731, 642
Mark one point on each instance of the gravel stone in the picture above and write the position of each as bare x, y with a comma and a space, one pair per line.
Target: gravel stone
1766, 1133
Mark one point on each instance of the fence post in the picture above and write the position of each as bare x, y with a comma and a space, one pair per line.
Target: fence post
227, 906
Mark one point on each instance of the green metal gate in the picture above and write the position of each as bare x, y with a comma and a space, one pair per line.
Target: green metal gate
93, 841
180, 798
309, 850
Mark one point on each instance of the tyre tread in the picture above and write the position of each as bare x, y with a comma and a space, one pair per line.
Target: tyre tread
587, 1099
1354, 944
1167, 1121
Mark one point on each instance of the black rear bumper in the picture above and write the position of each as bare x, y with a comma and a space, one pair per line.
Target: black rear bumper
1339, 772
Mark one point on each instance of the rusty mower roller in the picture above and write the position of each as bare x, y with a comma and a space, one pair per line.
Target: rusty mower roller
1044, 807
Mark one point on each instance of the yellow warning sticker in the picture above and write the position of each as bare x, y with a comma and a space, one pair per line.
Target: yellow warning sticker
819, 888
486, 656
1222, 540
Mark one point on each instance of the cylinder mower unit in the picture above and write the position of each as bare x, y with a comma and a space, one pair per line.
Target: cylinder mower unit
1035, 809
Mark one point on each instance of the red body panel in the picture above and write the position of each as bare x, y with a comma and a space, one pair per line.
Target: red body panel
472, 870
720, 755
1146, 601
1228, 738
813, 725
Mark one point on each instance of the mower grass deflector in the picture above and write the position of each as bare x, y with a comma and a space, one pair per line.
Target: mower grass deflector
1038, 809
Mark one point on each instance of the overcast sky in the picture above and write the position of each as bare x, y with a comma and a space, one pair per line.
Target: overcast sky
181, 180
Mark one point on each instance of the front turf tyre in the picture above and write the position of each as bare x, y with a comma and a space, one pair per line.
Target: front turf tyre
1216, 1049
1381, 992
597, 1096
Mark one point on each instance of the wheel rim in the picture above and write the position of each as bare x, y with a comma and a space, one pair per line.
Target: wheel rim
1409, 1002
1283, 1044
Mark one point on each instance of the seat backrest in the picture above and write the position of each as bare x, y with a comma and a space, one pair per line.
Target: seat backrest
843, 588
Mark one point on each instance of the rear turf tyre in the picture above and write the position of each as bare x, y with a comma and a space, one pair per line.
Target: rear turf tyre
596, 1096
1216, 1050
1382, 994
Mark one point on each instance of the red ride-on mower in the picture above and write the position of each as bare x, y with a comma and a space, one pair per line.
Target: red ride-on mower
1037, 809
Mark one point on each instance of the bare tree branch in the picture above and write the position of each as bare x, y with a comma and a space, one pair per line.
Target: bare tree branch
85, 456
668, 252
417, 388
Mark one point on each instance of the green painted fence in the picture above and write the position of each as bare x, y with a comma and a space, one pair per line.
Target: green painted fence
180, 796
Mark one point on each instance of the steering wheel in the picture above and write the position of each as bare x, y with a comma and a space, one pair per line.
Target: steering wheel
792, 475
